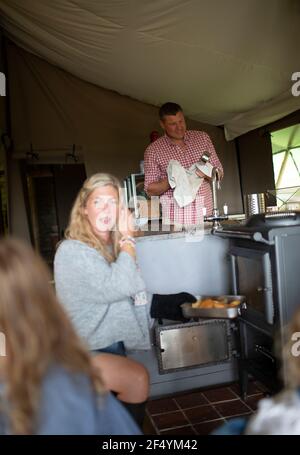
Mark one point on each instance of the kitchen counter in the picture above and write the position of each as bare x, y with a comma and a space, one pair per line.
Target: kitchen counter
156, 230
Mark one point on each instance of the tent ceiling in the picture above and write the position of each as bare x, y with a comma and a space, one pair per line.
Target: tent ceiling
227, 63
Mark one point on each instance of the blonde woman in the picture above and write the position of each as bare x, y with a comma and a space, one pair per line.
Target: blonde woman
48, 383
96, 275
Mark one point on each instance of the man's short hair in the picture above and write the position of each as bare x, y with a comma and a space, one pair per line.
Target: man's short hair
169, 109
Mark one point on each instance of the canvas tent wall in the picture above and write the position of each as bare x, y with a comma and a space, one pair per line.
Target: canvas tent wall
51, 110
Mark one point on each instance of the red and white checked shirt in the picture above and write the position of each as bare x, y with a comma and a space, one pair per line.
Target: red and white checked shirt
156, 160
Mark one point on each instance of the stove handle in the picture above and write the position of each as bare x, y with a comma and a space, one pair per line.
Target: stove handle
262, 350
256, 236
232, 234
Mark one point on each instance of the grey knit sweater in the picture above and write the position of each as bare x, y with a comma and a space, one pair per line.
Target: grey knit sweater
98, 296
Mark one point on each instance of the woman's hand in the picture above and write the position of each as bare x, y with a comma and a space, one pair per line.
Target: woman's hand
129, 248
126, 223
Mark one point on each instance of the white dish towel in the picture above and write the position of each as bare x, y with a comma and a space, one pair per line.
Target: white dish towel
185, 181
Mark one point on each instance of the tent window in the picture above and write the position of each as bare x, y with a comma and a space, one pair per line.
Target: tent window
287, 168
286, 163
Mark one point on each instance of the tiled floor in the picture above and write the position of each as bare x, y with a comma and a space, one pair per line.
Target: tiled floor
200, 412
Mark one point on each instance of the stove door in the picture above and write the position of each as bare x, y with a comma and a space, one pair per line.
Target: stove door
252, 277
257, 357
193, 344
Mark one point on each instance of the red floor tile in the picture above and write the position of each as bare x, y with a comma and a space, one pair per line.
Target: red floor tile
148, 427
161, 406
184, 431
223, 394
200, 411
263, 388
232, 408
207, 427
253, 389
170, 420
253, 400
201, 414
191, 400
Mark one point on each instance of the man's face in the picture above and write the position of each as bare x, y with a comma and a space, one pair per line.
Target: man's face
174, 125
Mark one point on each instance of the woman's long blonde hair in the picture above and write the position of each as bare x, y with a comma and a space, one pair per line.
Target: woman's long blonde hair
79, 227
38, 334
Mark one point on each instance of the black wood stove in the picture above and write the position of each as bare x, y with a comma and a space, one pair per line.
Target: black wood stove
265, 261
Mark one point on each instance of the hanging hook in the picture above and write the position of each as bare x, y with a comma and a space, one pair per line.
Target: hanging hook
32, 155
72, 155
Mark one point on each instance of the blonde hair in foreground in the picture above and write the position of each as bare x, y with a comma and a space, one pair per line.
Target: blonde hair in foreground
38, 333
79, 227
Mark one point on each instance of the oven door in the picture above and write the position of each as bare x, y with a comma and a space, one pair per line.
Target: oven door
252, 277
257, 357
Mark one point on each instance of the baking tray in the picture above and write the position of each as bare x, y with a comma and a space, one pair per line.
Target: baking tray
217, 313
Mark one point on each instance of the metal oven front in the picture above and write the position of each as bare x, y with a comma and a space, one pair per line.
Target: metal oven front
252, 276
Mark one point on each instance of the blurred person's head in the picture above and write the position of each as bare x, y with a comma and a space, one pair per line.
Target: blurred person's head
291, 352
172, 121
38, 334
154, 135
94, 216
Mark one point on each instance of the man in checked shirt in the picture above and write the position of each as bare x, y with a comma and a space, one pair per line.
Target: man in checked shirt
187, 147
